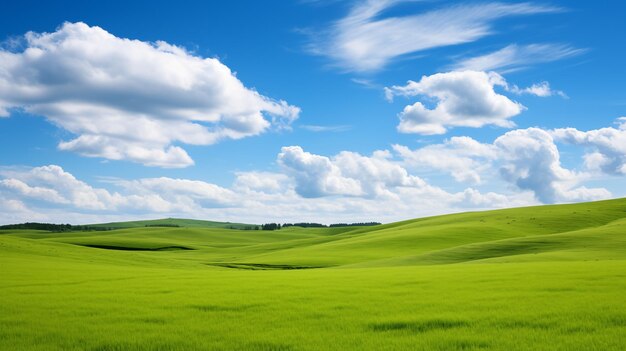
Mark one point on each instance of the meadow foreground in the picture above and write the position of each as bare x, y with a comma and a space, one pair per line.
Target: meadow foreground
538, 278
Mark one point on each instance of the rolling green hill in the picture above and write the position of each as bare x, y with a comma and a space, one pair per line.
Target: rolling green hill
174, 222
535, 278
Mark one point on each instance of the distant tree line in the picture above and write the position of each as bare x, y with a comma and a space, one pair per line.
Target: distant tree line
52, 227
248, 227
271, 226
268, 226
304, 225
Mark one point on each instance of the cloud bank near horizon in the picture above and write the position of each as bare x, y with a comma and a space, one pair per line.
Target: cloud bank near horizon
384, 186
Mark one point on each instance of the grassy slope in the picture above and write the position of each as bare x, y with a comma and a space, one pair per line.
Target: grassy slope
186, 223
542, 278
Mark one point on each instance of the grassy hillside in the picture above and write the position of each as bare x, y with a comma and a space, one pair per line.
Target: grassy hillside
536, 278
174, 222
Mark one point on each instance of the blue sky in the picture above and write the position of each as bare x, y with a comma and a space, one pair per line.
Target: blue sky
324, 111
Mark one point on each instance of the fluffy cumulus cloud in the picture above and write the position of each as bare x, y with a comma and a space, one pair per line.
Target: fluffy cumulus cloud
347, 173
528, 159
367, 40
607, 146
129, 99
516, 57
34, 192
181, 194
52, 186
462, 99
388, 185
531, 161
462, 157
380, 182
316, 175
352, 187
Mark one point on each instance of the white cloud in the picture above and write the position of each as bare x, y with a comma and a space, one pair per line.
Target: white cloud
386, 192
473, 198
377, 175
15, 211
463, 99
526, 158
132, 100
34, 192
264, 182
182, 193
347, 173
353, 187
531, 161
140, 152
316, 175
366, 83
515, 57
53, 184
319, 129
607, 146
366, 40
348, 186
542, 89
463, 157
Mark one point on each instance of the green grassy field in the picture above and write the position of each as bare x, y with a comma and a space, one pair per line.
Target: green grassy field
186, 223
538, 278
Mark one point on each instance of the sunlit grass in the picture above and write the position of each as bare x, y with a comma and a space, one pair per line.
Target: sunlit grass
478, 281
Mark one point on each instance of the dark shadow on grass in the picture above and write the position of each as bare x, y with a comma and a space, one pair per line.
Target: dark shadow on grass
266, 346
260, 266
579, 329
462, 345
153, 320
127, 346
218, 308
127, 248
525, 324
616, 320
418, 326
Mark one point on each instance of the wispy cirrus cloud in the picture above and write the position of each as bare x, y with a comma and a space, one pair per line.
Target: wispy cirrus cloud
516, 57
319, 129
366, 40
542, 89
